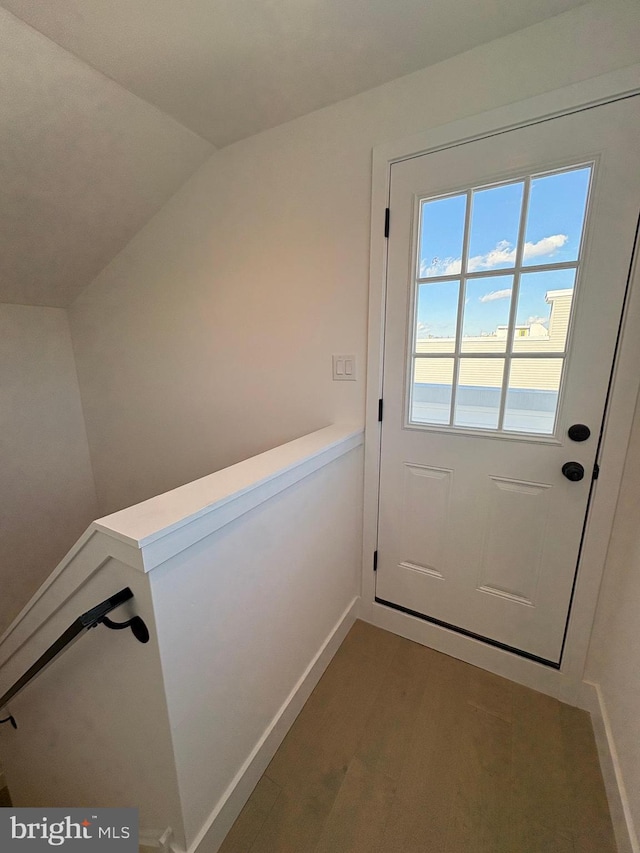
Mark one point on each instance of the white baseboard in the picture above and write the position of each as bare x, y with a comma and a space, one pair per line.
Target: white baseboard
626, 836
152, 840
537, 676
231, 803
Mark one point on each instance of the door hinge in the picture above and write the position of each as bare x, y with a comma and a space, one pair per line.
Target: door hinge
380, 409
387, 216
596, 471
375, 561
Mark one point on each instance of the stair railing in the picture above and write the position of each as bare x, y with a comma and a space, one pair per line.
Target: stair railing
91, 619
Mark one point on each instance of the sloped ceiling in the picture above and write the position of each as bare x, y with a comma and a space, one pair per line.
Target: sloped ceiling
107, 106
83, 165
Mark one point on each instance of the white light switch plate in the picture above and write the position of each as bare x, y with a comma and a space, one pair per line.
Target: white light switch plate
344, 368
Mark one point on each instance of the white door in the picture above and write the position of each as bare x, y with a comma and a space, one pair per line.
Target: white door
508, 260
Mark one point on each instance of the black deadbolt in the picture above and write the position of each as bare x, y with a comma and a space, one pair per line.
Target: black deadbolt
573, 471
579, 432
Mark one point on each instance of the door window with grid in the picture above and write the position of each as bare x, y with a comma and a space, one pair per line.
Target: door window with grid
495, 277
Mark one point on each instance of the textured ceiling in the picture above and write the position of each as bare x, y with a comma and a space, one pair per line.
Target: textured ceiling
230, 68
108, 106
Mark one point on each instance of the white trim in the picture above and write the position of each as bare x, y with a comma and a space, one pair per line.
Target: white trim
626, 836
232, 801
582, 95
521, 670
157, 839
136, 537
566, 683
164, 525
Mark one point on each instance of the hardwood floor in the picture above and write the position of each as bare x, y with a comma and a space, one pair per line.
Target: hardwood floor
401, 749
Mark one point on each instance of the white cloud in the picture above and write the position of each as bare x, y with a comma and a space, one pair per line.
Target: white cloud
424, 330
546, 246
496, 294
434, 330
440, 266
504, 254
543, 321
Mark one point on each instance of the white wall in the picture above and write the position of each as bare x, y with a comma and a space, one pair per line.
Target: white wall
209, 338
240, 617
614, 655
248, 581
47, 494
93, 728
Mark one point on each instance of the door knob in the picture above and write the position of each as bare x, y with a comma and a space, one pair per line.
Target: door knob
573, 471
579, 432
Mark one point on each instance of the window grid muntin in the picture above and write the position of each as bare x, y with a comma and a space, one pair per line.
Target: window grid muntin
516, 271
494, 273
461, 303
515, 295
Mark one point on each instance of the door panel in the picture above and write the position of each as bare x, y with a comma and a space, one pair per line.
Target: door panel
527, 508
501, 322
426, 505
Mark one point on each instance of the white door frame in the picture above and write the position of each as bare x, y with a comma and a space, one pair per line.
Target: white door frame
565, 683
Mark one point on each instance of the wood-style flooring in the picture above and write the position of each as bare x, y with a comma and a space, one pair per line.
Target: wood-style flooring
401, 749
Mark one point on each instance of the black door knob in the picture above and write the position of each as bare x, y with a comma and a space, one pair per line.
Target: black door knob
579, 432
573, 471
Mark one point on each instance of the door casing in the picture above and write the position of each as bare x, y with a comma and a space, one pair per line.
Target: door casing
565, 683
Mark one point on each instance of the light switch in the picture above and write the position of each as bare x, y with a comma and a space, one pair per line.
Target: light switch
344, 368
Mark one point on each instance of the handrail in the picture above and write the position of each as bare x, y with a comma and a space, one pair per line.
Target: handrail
91, 619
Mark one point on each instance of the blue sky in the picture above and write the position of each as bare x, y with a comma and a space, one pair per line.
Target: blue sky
552, 235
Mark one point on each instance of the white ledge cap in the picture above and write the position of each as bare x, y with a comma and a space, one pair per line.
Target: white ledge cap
152, 519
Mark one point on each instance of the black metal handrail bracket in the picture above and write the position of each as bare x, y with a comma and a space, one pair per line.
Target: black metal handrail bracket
98, 615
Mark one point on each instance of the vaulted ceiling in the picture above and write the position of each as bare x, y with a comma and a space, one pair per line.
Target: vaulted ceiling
108, 106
